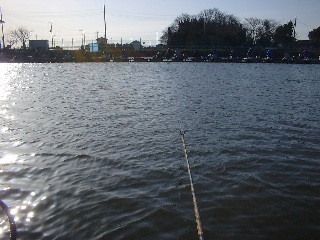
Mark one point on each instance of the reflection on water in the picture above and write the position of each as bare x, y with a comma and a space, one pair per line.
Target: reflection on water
12, 161
25, 213
4, 129
22, 214
8, 72
8, 159
90, 151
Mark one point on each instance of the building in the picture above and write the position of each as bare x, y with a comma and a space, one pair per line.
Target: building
136, 45
40, 45
93, 47
102, 40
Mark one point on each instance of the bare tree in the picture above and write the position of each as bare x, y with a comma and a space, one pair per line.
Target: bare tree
21, 34
253, 25
260, 31
11, 38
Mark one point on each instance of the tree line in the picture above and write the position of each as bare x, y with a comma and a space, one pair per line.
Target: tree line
214, 28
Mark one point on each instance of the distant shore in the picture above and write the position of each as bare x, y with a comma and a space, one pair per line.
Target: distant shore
154, 55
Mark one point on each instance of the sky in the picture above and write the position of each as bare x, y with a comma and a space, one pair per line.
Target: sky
140, 19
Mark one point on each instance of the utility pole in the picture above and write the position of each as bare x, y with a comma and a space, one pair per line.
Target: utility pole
294, 28
105, 23
51, 33
2, 22
83, 38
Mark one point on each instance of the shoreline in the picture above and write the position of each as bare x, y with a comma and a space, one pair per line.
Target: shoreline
79, 56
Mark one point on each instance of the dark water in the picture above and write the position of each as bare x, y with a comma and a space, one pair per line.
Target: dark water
93, 151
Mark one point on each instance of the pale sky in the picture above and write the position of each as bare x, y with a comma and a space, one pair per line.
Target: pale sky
145, 19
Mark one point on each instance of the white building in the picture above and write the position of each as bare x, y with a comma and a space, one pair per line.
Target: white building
93, 47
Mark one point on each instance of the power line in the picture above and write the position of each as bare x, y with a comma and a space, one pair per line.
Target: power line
86, 13
60, 12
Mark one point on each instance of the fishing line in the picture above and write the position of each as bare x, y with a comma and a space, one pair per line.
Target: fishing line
13, 227
194, 199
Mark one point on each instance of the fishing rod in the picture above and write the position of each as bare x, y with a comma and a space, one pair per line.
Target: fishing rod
194, 199
13, 227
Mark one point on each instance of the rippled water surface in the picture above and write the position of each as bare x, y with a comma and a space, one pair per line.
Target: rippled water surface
93, 151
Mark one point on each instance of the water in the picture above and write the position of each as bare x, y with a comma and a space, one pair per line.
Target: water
93, 151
